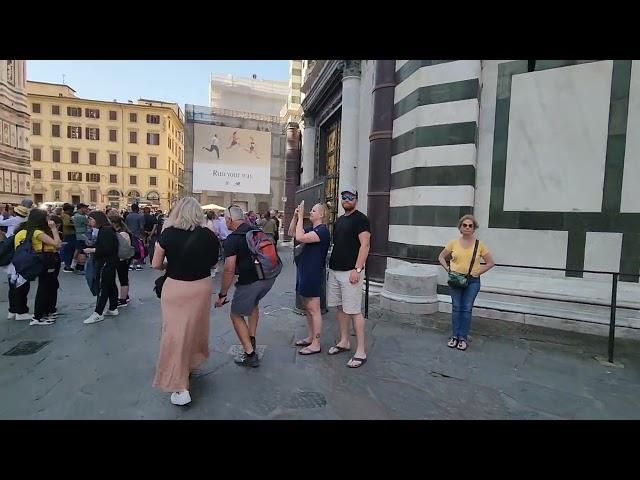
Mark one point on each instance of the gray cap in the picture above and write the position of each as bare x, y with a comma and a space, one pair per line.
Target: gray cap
27, 202
347, 187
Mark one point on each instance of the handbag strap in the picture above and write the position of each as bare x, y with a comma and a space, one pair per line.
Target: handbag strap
473, 257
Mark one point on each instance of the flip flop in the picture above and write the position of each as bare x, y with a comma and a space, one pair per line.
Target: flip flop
340, 350
309, 352
302, 343
357, 359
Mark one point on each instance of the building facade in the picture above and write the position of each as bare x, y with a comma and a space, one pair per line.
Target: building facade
104, 153
542, 152
15, 173
254, 95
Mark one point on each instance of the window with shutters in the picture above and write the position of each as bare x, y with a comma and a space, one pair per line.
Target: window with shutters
35, 128
75, 156
153, 181
113, 178
133, 180
74, 132
133, 117
93, 133
113, 160
74, 176
113, 135
93, 158
133, 137
113, 115
93, 177
55, 130
37, 174
55, 174
153, 139
153, 119
55, 109
36, 155
74, 111
133, 161
153, 162
35, 108
55, 156
92, 113
93, 196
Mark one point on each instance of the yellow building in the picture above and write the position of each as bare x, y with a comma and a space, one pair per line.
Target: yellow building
100, 153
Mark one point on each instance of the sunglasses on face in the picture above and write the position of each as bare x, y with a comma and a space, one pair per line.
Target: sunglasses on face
467, 225
348, 196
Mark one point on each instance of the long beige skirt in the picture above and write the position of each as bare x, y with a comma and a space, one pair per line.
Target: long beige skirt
184, 345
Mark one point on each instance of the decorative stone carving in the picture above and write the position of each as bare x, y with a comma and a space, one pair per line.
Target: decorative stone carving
350, 68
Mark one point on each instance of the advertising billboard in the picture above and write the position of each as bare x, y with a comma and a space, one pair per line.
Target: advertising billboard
231, 159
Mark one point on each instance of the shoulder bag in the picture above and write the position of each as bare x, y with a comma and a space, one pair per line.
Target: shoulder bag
459, 280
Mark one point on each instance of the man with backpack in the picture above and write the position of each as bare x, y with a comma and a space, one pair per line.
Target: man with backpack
254, 254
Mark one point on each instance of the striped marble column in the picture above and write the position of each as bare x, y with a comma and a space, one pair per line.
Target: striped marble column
433, 164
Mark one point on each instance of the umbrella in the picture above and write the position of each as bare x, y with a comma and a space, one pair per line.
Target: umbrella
212, 206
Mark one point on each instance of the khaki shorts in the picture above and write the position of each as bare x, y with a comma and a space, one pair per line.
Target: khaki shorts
340, 291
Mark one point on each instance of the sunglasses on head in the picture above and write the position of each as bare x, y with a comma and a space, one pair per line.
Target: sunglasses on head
348, 196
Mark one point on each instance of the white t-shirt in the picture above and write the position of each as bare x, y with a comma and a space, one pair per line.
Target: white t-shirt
11, 223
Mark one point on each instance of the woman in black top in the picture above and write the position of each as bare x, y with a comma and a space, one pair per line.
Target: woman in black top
123, 265
105, 252
191, 250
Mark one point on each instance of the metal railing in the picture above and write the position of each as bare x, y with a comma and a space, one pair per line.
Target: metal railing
613, 304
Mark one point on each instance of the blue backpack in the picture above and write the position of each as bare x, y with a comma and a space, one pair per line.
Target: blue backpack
27, 263
6, 251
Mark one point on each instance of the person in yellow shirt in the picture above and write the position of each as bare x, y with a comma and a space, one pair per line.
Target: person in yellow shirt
457, 257
46, 241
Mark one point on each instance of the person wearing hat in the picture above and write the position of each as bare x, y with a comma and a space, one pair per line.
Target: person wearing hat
351, 237
21, 212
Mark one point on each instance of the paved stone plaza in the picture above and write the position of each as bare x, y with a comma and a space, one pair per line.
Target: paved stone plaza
511, 371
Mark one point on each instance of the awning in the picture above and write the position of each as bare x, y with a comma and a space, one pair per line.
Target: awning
212, 206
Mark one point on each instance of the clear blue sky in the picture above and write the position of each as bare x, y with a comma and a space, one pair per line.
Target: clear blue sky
181, 81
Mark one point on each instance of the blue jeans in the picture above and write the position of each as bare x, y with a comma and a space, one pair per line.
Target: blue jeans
69, 249
461, 306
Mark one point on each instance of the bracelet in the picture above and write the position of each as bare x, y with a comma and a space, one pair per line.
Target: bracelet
221, 295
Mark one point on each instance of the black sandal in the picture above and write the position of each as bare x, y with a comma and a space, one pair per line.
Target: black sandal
453, 342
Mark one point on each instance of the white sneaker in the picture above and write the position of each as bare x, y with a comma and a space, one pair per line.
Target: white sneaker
111, 313
11, 316
24, 316
94, 318
180, 398
42, 321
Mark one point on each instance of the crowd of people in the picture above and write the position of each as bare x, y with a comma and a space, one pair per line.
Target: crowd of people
63, 239
188, 245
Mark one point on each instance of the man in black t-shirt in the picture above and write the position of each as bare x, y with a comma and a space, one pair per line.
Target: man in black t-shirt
351, 236
150, 231
249, 289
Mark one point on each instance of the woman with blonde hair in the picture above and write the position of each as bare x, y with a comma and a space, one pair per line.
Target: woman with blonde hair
461, 259
311, 260
191, 250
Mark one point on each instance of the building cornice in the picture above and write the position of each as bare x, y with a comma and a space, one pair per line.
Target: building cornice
319, 86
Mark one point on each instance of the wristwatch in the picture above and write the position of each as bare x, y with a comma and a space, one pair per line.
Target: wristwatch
358, 270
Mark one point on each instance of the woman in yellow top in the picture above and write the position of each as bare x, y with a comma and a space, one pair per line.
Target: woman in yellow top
456, 257
45, 240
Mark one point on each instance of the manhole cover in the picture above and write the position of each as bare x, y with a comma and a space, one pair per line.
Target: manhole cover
304, 400
26, 348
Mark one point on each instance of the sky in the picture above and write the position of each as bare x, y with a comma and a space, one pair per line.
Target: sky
180, 81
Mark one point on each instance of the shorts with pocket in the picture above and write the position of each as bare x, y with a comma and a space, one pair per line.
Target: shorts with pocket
340, 291
246, 297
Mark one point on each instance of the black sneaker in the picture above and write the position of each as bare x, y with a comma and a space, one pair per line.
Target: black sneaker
253, 343
67, 269
248, 360
122, 302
